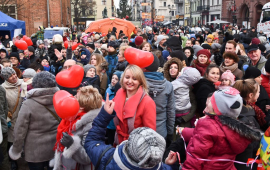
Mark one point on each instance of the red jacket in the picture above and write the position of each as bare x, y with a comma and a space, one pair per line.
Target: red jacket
145, 115
213, 140
266, 83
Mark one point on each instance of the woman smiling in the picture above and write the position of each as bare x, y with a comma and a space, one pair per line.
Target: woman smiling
231, 63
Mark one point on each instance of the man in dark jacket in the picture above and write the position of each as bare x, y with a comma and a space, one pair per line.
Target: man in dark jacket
174, 44
252, 33
243, 35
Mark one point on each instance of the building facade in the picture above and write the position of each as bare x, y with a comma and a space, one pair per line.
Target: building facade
167, 9
180, 10
242, 12
100, 8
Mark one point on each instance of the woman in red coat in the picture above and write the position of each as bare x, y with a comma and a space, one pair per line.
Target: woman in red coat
133, 106
219, 135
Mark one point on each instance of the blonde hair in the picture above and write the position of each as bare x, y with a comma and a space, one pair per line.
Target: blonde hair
245, 87
138, 74
99, 59
89, 98
242, 48
123, 48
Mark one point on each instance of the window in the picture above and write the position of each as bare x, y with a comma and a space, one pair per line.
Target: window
10, 10
103, 2
164, 4
172, 13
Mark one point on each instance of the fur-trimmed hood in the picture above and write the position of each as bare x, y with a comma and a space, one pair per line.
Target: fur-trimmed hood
167, 67
240, 128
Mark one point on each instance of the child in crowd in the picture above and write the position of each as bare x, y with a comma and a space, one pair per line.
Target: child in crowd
90, 77
6, 62
227, 80
45, 64
110, 133
181, 85
28, 75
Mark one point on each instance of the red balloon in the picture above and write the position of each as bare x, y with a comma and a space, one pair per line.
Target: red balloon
127, 17
74, 46
103, 34
66, 44
138, 57
24, 37
28, 41
22, 45
65, 104
71, 77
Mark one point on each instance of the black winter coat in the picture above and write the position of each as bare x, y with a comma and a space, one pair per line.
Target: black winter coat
95, 82
121, 66
261, 102
51, 51
201, 90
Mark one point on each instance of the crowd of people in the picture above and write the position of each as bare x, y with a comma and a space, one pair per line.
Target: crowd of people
204, 98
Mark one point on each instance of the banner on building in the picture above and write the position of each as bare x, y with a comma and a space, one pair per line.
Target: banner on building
145, 4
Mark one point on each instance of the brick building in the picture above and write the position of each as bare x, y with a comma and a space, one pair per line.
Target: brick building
35, 13
242, 10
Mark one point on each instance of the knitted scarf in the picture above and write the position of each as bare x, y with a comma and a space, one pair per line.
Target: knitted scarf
232, 68
260, 116
24, 87
200, 67
65, 126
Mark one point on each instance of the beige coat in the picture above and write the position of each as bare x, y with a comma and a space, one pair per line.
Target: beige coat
12, 92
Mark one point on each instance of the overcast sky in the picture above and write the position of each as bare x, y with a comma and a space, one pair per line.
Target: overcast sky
116, 3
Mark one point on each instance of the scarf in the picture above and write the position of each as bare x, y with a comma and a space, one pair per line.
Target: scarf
65, 126
260, 116
47, 67
24, 87
200, 67
232, 68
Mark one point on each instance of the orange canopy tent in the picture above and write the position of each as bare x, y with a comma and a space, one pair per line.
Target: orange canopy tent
104, 25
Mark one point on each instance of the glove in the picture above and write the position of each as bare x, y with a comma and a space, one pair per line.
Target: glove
66, 140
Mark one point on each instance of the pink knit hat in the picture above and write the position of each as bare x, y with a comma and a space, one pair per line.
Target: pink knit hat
229, 76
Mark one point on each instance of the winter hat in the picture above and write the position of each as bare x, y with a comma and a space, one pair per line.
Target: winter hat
159, 38
39, 42
138, 40
97, 36
118, 74
262, 47
231, 55
145, 147
267, 66
113, 44
45, 58
262, 39
252, 72
206, 46
91, 46
171, 31
255, 41
189, 75
154, 66
87, 67
204, 52
178, 54
31, 49
247, 40
104, 47
196, 48
44, 79
29, 73
227, 102
215, 46
229, 76
210, 36
14, 54
6, 72
165, 53
148, 29
252, 47
173, 43
58, 39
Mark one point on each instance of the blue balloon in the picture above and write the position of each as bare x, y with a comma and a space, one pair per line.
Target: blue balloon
245, 67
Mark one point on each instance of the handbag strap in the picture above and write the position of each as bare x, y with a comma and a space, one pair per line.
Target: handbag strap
52, 113
18, 99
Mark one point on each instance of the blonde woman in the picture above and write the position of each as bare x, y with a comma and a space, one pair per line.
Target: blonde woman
69, 150
101, 67
133, 106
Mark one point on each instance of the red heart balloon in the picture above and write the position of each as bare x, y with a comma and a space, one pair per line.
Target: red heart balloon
74, 46
66, 44
22, 45
66, 106
24, 37
28, 41
138, 57
103, 34
70, 78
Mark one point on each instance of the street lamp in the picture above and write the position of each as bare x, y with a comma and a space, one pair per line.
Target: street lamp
170, 10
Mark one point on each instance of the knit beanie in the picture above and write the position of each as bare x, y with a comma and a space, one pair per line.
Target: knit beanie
206, 46
262, 39
39, 42
113, 44
118, 74
104, 47
229, 76
252, 72
255, 41
174, 43
159, 38
87, 67
262, 48
267, 66
138, 40
97, 36
31, 49
6, 72
215, 46
14, 54
210, 36
29, 73
196, 48
171, 31
227, 102
165, 53
154, 66
91, 45
204, 52
145, 147
44, 79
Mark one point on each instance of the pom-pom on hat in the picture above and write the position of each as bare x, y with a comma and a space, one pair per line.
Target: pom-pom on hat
229, 76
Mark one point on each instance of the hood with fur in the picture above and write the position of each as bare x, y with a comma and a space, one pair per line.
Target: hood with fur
167, 67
